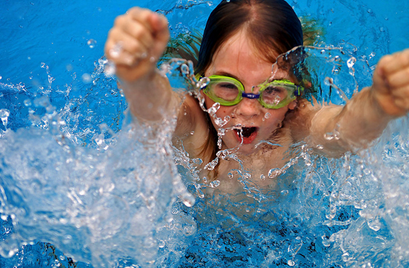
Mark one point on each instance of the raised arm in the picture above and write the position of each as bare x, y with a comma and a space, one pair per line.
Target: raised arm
134, 45
366, 115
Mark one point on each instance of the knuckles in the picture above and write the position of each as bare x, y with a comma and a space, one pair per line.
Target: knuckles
119, 21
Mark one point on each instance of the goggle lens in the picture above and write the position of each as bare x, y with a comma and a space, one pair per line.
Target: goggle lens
228, 92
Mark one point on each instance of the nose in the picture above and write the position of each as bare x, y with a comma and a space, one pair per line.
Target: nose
248, 108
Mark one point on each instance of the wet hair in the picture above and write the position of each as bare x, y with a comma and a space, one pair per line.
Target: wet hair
271, 25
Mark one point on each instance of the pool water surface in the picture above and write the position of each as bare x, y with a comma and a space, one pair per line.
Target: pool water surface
81, 186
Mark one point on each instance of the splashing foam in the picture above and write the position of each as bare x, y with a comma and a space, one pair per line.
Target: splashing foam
113, 197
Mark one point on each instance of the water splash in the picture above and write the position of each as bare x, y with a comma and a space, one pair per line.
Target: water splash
114, 194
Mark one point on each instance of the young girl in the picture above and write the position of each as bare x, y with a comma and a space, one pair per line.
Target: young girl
264, 108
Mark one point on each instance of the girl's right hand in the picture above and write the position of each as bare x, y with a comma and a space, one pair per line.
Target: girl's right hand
136, 42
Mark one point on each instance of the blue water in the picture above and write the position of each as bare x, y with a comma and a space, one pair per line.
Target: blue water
81, 187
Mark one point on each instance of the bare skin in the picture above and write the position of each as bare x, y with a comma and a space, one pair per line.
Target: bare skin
144, 35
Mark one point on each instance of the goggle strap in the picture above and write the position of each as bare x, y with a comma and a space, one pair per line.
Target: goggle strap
297, 91
250, 95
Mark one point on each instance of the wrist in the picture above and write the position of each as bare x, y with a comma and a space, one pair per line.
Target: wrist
383, 104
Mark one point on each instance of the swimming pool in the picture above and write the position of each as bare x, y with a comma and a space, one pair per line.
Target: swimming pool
74, 175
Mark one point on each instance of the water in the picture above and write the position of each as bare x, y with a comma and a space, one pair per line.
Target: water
82, 187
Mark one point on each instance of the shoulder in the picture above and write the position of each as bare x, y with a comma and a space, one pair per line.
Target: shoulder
192, 127
300, 119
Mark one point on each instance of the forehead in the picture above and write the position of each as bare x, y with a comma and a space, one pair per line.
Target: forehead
238, 57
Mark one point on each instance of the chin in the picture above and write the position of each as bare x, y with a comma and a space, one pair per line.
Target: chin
246, 149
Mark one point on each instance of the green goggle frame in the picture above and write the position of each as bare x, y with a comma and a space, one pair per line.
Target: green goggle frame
290, 94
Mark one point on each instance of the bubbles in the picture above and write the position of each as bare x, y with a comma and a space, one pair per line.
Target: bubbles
91, 43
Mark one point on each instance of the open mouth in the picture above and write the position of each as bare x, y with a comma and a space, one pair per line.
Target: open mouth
246, 135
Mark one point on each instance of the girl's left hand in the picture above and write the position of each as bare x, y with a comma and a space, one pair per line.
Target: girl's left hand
391, 83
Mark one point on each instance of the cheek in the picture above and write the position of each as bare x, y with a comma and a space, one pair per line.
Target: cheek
222, 111
275, 116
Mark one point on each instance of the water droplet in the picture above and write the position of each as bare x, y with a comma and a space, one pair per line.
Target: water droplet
12, 252
86, 78
116, 50
262, 177
345, 257
161, 244
203, 82
267, 115
230, 175
92, 43
291, 263
277, 100
109, 69
188, 200
69, 67
329, 136
284, 192
4, 115
214, 184
212, 110
27, 102
328, 81
351, 62
274, 172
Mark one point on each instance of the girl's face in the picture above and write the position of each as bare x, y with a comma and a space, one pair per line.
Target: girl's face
237, 58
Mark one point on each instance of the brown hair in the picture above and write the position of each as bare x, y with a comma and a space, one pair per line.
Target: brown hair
272, 26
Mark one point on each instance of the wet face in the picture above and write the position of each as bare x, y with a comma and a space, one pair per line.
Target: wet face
238, 59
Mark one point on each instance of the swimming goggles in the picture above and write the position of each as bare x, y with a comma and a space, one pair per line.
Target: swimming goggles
229, 91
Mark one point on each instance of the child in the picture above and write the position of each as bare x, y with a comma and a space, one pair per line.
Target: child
241, 42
